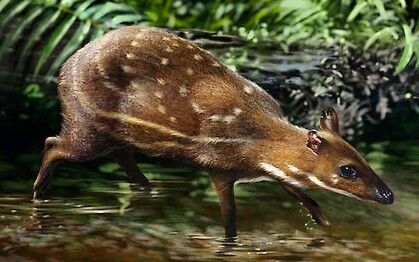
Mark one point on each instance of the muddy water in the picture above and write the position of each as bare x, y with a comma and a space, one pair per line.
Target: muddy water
92, 213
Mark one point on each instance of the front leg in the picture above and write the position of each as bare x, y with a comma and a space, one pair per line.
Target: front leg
310, 204
224, 186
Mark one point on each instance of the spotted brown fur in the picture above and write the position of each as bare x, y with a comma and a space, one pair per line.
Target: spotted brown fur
146, 89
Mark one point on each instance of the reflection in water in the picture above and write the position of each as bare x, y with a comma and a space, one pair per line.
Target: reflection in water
178, 219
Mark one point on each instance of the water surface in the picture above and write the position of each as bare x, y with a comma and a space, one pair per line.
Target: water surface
92, 213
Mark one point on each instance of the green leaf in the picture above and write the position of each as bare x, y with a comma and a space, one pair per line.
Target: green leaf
297, 4
78, 36
380, 35
53, 40
33, 91
305, 15
97, 33
380, 7
407, 51
355, 12
48, 19
82, 11
67, 3
10, 40
13, 12
108, 8
3, 4
128, 18
57, 35
402, 3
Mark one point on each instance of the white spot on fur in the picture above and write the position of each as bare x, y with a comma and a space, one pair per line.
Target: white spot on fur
161, 109
158, 94
278, 173
189, 46
100, 68
183, 91
189, 71
318, 182
237, 111
128, 69
175, 44
168, 49
110, 86
161, 81
197, 57
215, 64
253, 180
197, 108
215, 118
136, 96
229, 119
135, 43
130, 56
164, 61
248, 89
135, 84
165, 38
173, 119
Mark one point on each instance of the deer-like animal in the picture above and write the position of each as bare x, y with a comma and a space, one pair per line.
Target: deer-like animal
145, 89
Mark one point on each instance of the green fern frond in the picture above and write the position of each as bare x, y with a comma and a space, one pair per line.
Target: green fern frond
55, 29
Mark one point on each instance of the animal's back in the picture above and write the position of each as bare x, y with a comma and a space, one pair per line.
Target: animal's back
145, 86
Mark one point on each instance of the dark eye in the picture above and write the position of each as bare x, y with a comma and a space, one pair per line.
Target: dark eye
348, 172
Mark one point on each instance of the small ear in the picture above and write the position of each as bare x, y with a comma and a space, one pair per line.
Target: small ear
313, 141
329, 121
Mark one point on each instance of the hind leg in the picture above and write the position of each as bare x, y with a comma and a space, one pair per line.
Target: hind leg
127, 163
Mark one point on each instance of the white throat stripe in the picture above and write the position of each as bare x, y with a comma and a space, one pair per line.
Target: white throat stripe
278, 173
294, 169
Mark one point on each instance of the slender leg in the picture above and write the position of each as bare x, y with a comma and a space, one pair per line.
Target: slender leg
225, 191
126, 161
61, 148
53, 153
309, 203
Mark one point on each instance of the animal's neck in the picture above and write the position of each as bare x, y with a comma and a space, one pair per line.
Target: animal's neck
285, 157
285, 145
287, 134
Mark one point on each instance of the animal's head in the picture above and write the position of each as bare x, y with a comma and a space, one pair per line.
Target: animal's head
339, 167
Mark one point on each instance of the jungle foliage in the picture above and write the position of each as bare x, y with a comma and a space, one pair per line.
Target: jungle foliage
64, 25
37, 36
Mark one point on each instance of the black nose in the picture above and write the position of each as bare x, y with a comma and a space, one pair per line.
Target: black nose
383, 194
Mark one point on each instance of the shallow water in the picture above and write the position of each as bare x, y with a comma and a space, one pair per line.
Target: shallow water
92, 213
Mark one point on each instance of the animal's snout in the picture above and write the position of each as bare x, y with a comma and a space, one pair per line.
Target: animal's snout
383, 194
